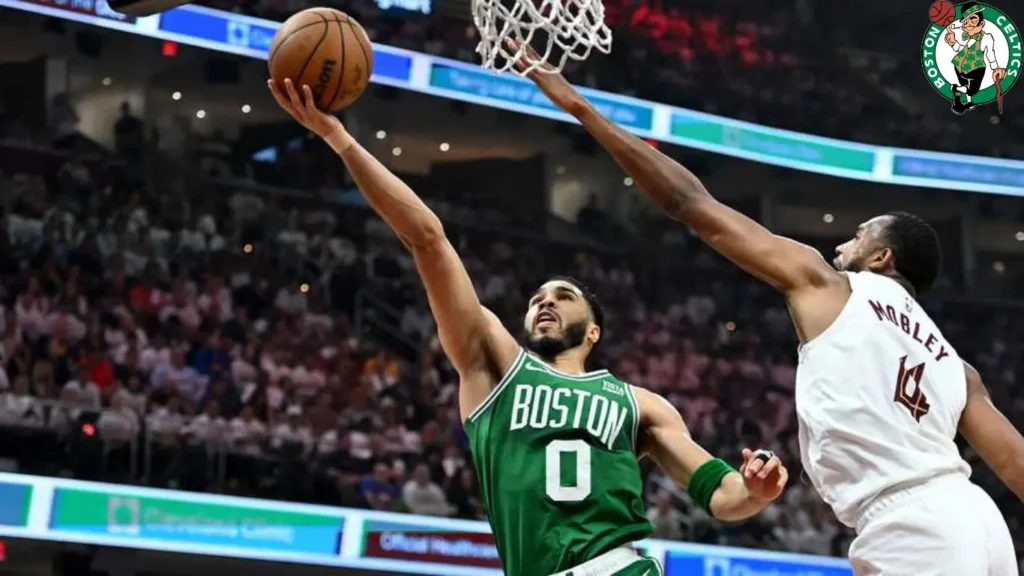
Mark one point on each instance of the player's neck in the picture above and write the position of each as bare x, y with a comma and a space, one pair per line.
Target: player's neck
903, 282
571, 362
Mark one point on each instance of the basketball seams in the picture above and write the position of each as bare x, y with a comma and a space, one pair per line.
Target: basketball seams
309, 58
366, 57
341, 68
270, 58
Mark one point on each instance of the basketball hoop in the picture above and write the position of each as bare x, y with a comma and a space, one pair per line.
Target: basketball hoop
557, 30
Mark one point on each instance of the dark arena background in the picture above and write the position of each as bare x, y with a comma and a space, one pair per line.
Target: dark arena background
217, 360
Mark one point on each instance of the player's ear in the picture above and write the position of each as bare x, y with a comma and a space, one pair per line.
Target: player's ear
882, 261
593, 333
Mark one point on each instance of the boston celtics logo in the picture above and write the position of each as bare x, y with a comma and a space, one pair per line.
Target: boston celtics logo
971, 54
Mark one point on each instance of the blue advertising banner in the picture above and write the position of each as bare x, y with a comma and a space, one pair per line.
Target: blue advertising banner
15, 500
711, 562
981, 174
513, 90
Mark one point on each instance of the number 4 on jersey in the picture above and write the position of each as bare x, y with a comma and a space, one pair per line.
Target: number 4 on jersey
916, 402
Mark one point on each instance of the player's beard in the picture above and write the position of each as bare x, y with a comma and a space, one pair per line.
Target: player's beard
549, 347
849, 266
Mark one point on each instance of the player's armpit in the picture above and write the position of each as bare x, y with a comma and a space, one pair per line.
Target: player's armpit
785, 264
991, 435
472, 337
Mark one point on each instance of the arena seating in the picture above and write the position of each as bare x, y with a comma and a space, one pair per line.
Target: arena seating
255, 342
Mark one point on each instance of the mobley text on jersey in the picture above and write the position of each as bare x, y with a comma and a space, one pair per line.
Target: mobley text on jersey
542, 406
888, 313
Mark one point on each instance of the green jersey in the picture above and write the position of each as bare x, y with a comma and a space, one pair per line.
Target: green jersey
555, 456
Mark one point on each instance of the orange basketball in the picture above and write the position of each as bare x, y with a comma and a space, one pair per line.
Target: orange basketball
942, 13
325, 49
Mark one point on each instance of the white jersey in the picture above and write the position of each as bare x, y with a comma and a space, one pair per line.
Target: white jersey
878, 397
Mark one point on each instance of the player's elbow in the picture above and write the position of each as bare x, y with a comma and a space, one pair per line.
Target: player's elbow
426, 234
1009, 467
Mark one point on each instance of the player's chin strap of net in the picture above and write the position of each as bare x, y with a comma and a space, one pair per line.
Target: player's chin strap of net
567, 28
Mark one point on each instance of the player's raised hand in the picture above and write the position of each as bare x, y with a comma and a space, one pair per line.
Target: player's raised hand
303, 108
550, 82
764, 474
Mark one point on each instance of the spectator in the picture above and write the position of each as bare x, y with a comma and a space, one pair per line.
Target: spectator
423, 496
119, 421
177, 377
293, 435
666, 519
377, 490
18, 407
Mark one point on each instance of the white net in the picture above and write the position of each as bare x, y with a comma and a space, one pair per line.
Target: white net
556, 30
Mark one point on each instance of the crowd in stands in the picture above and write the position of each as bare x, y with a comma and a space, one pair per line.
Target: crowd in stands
251, 343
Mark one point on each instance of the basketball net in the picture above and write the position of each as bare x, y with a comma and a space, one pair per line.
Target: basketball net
556, 29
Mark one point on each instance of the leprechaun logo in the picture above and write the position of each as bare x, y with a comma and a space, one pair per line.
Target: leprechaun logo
971, 54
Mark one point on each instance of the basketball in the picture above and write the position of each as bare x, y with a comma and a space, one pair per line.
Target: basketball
325, 49
942, 13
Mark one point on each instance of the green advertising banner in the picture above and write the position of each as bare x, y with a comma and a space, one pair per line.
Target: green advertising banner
766, 142
130, 514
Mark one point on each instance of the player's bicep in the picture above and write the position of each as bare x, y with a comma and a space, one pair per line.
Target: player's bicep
471, 337
784, 263
991, 435
665, 438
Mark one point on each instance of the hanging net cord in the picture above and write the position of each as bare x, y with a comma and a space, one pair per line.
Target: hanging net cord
573, 28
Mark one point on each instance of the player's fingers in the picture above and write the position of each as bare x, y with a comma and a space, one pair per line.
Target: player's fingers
747, 454
769, 467
293, 96
783, 477
282, 101
513, 47
753, 467
308, 99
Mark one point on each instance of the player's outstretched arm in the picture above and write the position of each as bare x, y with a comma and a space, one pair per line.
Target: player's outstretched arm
727, 494
480, 348
991, 435
785, 264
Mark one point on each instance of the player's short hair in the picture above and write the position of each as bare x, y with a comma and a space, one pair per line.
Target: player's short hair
916, 249
589, 296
